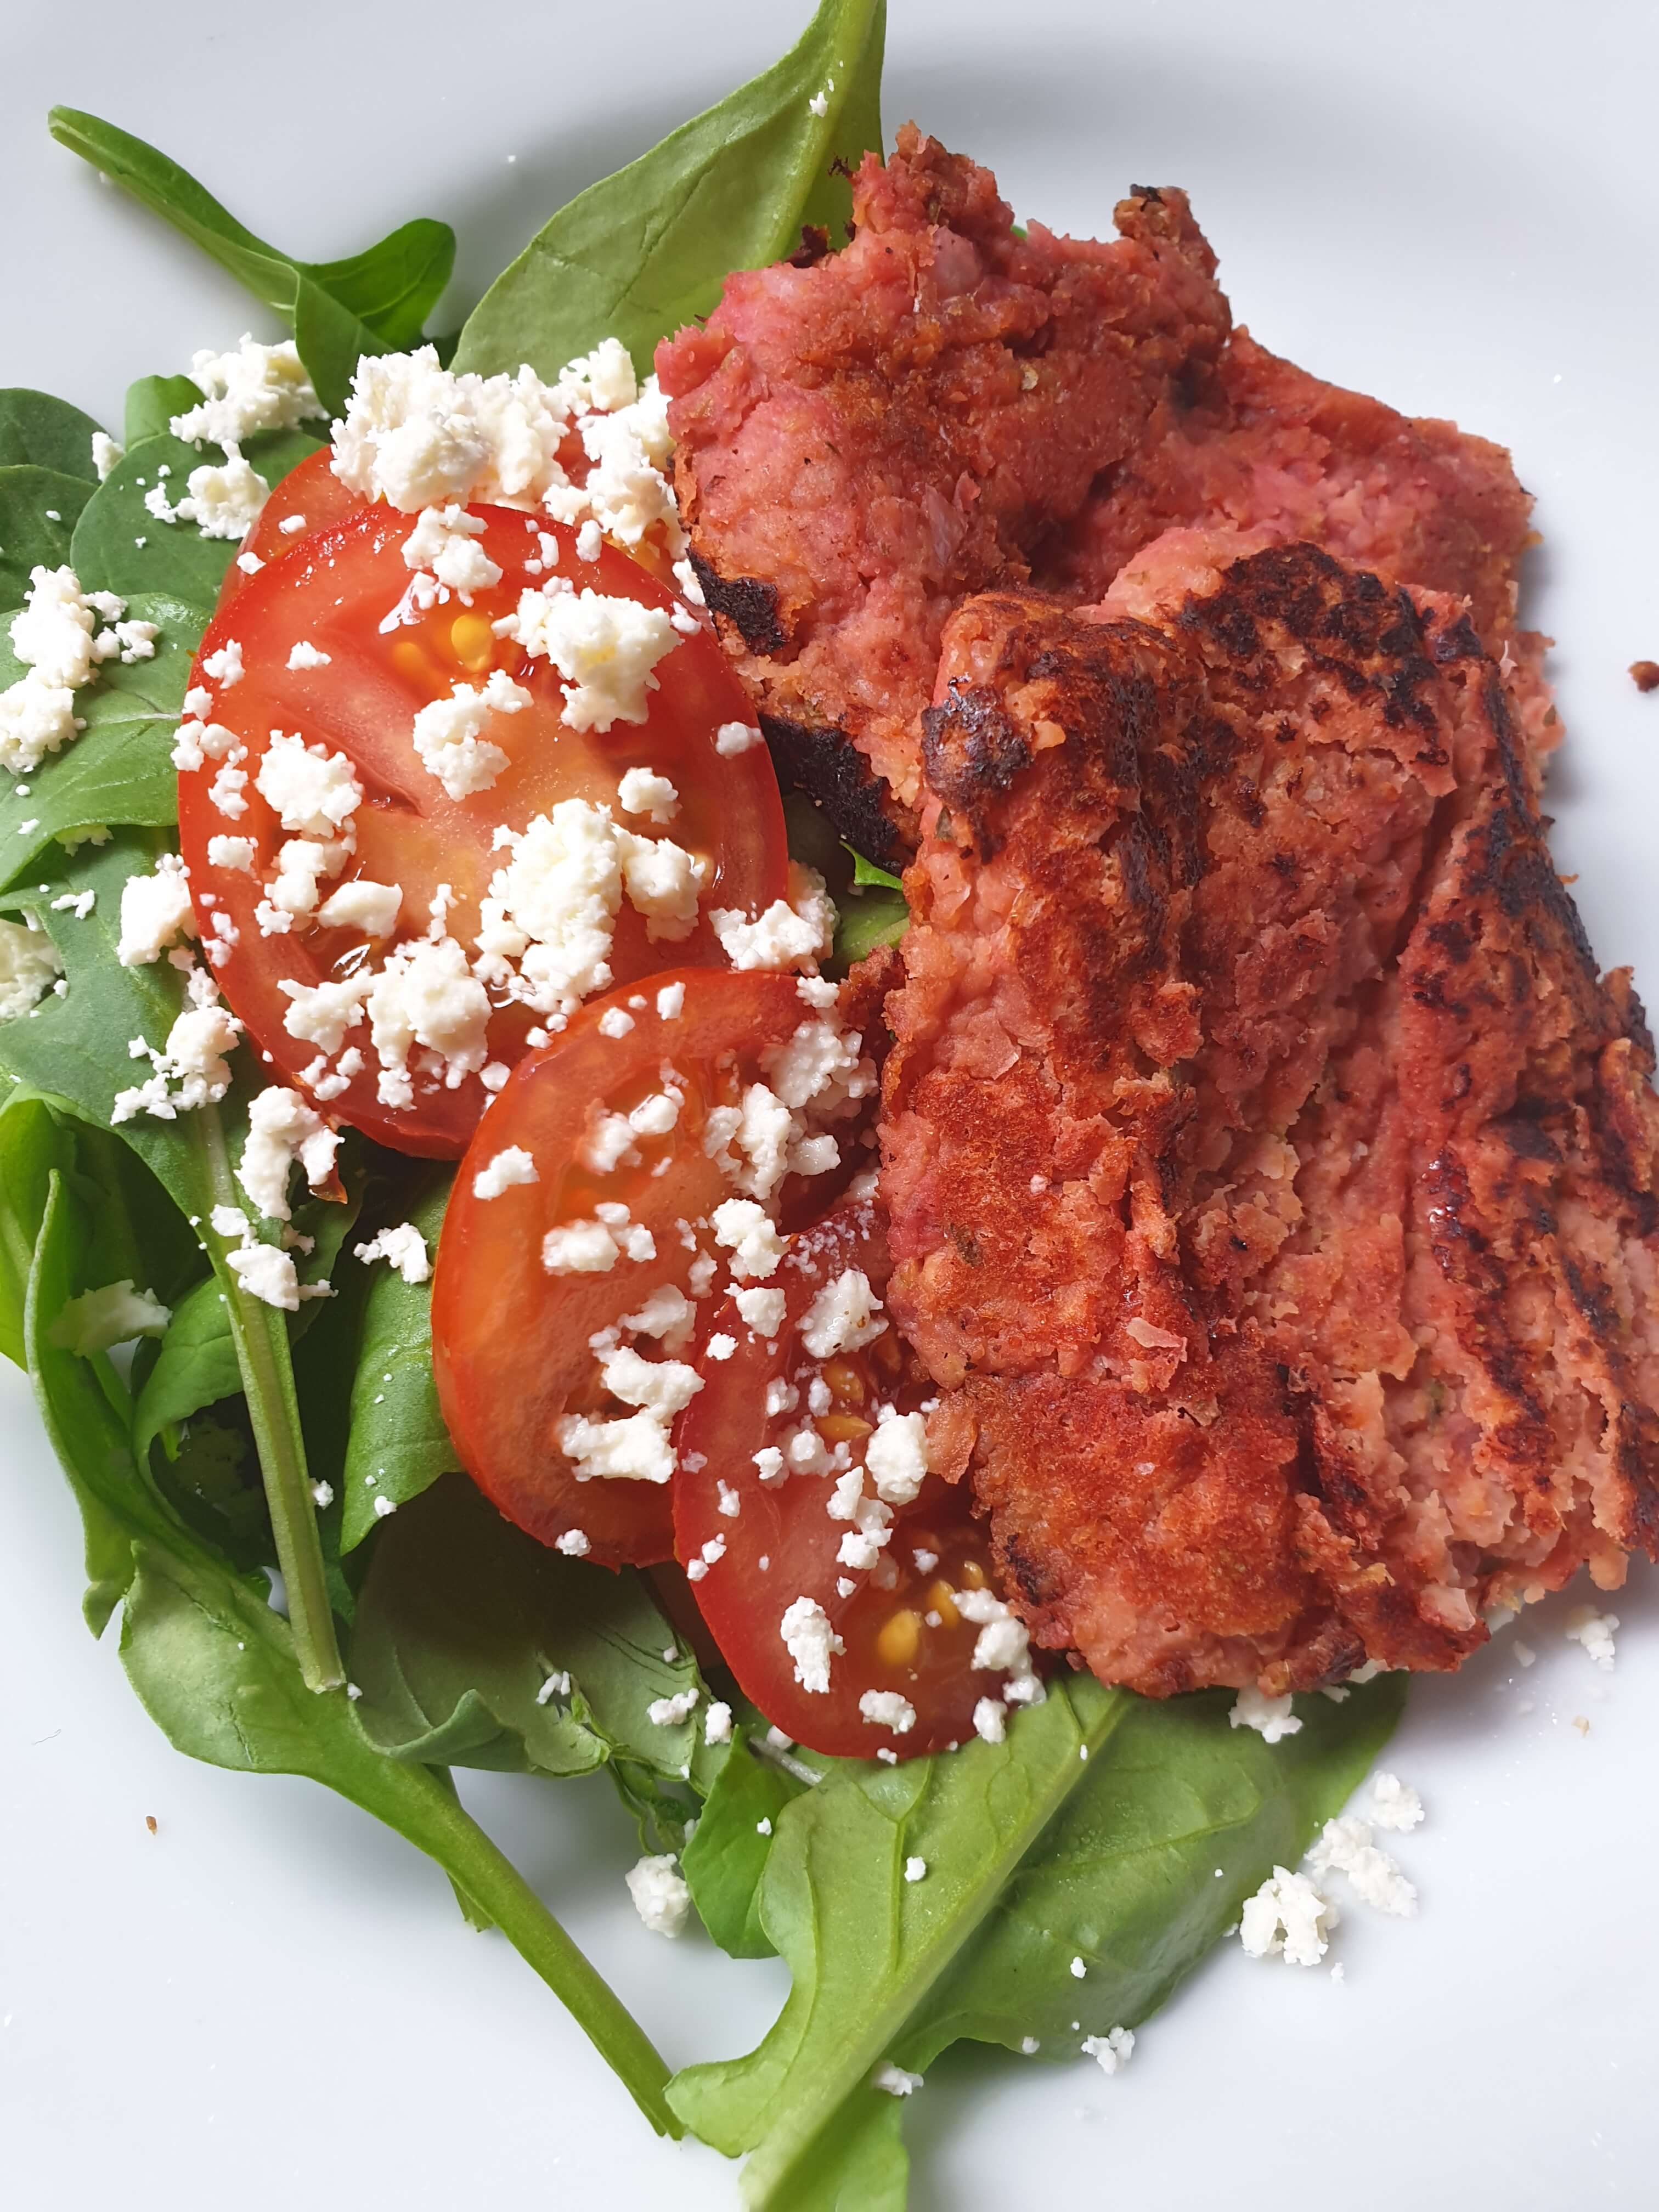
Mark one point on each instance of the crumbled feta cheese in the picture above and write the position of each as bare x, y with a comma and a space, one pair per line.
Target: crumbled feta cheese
842, 1317
312, 791
510, 1167
281, 1130
403, 1248
417, 436
1288, 1916
734, 738
304, 654
224, 666
896, 1455
156, 911
580, 1248
1395, 1804
321, 1013
744, 1229
1111, 2050
762, 1311
254, 387
1003, 1643
634, 1449
990, 1723
810, 1643
221, 501
667, 1315
107, 455
1272, 1717
779, 938
29, 966
448, 733
1345, 1846
660, 1895
669, 1713
893, 2081
235, 853
642, 790
426, 995
574, 1544
1593, 1630
115, 1314
58, 638
373, 908
266, 1274
671, 1002
605, 649
887, 1709
717, 1724
444, 541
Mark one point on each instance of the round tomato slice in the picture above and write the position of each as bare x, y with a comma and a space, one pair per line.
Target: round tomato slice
311, 680
308, 499
774, 1452
549, 1260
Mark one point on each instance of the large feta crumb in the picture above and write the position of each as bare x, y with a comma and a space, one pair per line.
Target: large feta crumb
990, 1720
1111, 2050
267, 1274
115, 1314
843, 1316
448, 733
312, 791
781, 937
887, 1709
427, 994
108, 455
253, 387
281, 1131
810, 1643
1003, 1643
57, 637
634, 1449
222, 501
1272, 1717
1395, 1804
893, 2081
574, 1544
896, 1455
403, 1248
745, 1228
417, 436
605, 649
1344, 1846
510, 1167
660, 1895
580, 1248
1595, 1631
734, 738
156, 911
445, 542
762, 1311
1288, 1916
29, 966
717, 1724
371, 907
642, 790
669, 1712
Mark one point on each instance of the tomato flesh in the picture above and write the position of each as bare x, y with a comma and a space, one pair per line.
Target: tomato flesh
513, 1354
308, 499
776, 1541
344, 591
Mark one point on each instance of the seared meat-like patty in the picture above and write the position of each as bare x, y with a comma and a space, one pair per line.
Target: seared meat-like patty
862, 442
1271, 1178
943, 407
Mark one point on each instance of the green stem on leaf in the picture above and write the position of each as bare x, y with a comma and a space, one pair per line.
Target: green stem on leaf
261, 1341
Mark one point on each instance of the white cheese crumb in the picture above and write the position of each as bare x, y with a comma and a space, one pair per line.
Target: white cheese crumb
990, 1720
843, 1316
717, 1724
253, 387
580, 1248
373, 908
734, 738
403, 1248
887, 1709
304, 654
574, 1544
266, 1274
762, 1311
671, 1002
915, 1869
448, 733
107, 455
669, 1712
1344, 1846
224, 666
1111, 2050
744, 1229
605, 649
115, 1314
1593, 1630
1288, 1916
281, 1130
510, 1167
28, 967
641, 791
781, 937
810, 1643
893, 2081
443, 542
312, 791
1395, 1804
660, 1895
234, 853
1079, 1968
1272, 1717
895, 1456
156, 911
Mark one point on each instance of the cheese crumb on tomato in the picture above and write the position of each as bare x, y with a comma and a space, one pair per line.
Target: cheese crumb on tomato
603, 379
303, 654
887, 1709
744, 1229
636, 1447
309, 789
234, 853
426, 995
511, 1167
762, 1311
734, 738
574, 1544
605, 649
403, 1248
1289, 1918
448, 733
895, 1456
1273, 1718
667, 1315
642, 790
810, 1643
419, 436
29, 965
1002, 1646
251, 388
593, 1247
224, 666
990, 1720
360, 905
155, 911
283, 1131
671, 1002
661, 1894
445, 543
784, 935
843, 1316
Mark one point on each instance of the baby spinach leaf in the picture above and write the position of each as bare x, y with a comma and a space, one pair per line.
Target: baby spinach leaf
119, 769
120, 546
874, 917
152, 402
648, 249
725, 1858
397, 1433
373, 302
462, 1621
196, 1367
865, 872
34, 428
38, 510
1034, 1856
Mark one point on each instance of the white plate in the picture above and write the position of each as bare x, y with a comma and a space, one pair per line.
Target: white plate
273, 2000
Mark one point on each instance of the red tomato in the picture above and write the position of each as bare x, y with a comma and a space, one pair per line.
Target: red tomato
310, 498
896, 1619
333, 596
513, 1354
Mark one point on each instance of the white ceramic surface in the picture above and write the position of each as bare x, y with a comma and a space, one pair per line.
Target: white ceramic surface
271, 2001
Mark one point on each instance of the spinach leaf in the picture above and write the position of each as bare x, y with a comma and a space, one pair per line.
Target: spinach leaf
374, 302
874, 917
39, 509
74, 1049
396, 1434
119, 770
217, 1669
1035, 1855
726, 1859
34, 428
648, 249
152, 402
119, 546
865, 872
462, 1621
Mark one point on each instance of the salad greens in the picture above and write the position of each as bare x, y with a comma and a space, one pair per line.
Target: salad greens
421, 1631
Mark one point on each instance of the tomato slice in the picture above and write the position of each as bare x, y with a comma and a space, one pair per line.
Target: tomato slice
308, 499
335, 650
758, 1545
514, 1353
